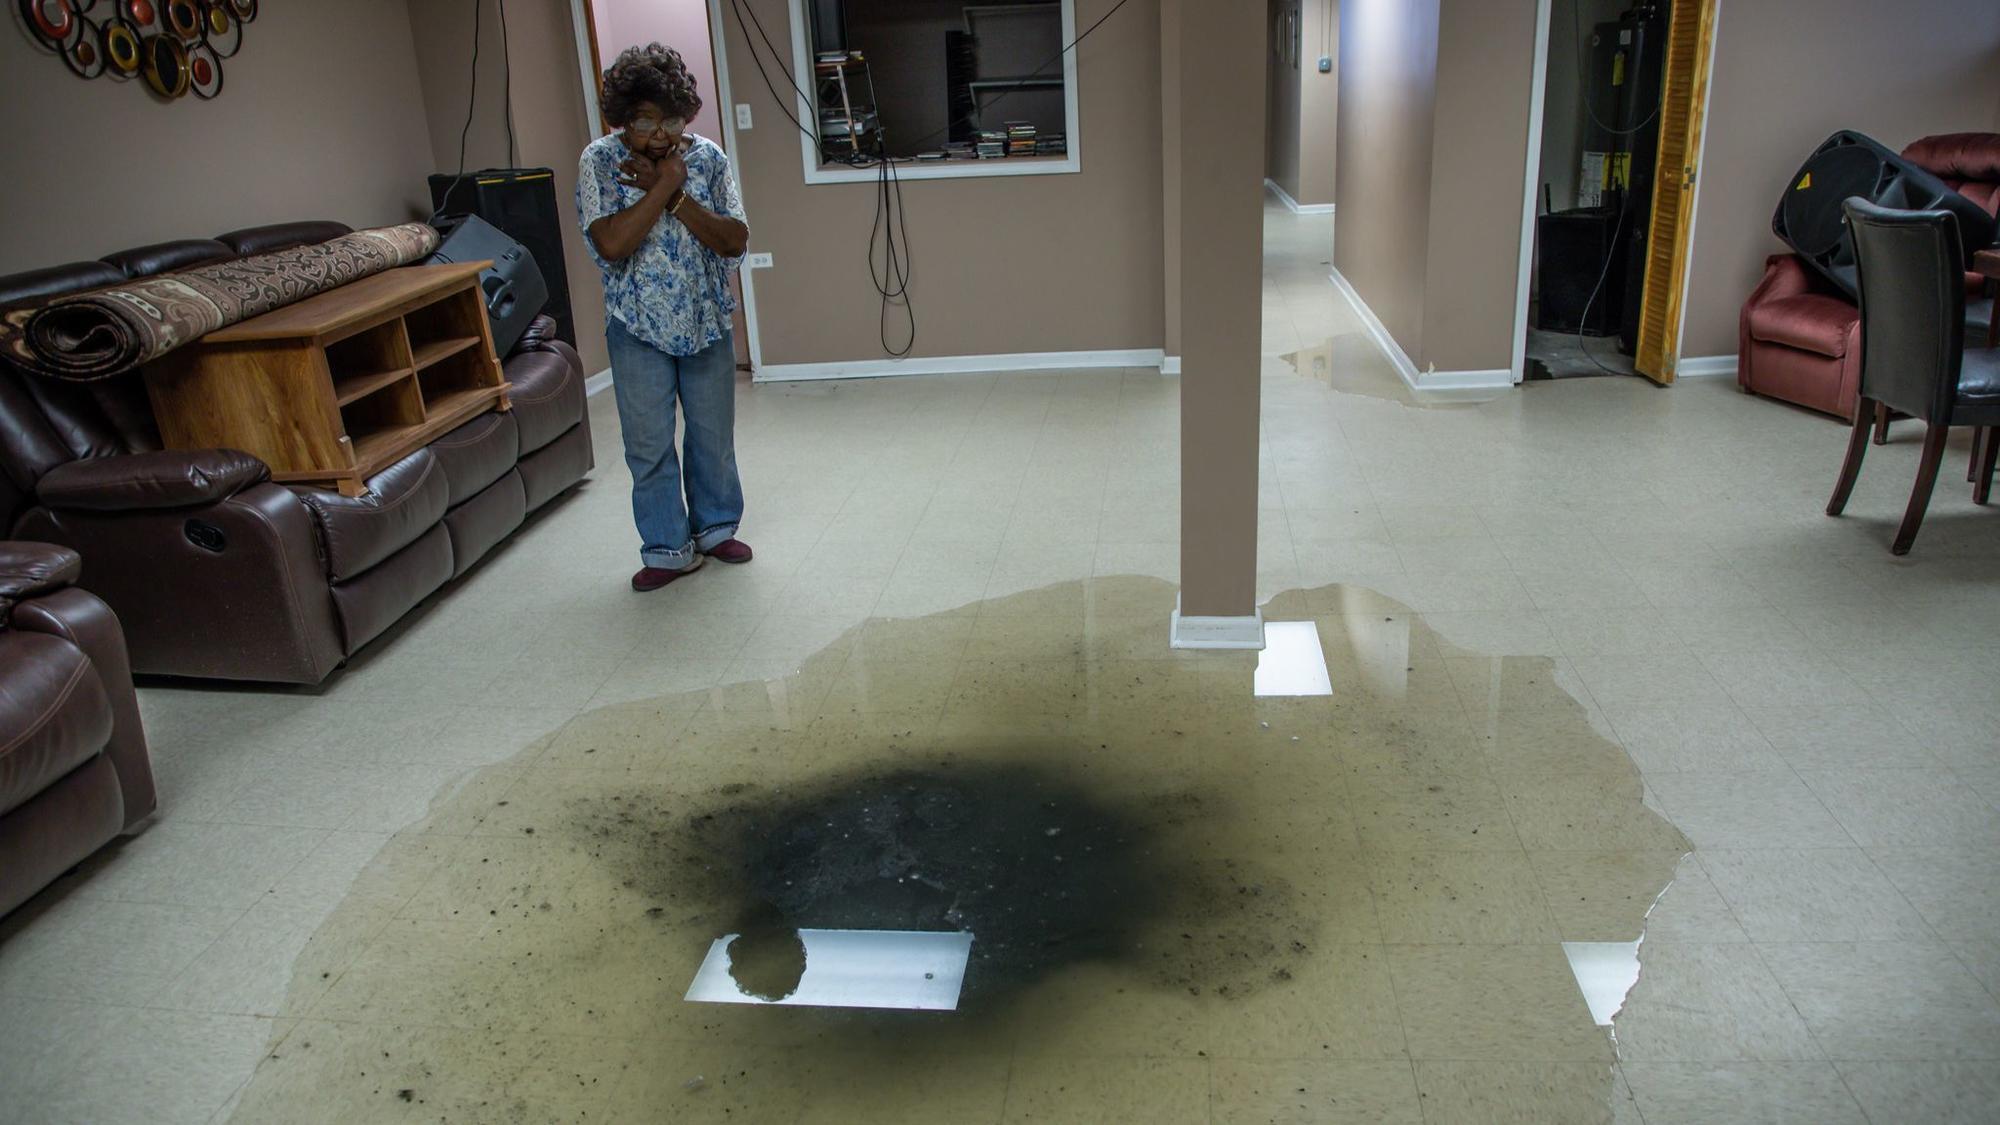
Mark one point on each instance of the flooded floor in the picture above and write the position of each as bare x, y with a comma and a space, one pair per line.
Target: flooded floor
1186, 901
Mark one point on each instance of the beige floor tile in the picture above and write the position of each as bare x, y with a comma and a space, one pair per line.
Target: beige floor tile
1585, 812
1769, 809
1045, 1088
1523, 1093
1762, 1093
1693, 737
1827, 894
1830, 735
159, 1066
1708, 1003
1982, 959
1606, 897
1467, 897
1438, 812
1313, 1091
1619, 631
1512, 1003
1957, 890
1888, 1000
1947, 1093
1906, 807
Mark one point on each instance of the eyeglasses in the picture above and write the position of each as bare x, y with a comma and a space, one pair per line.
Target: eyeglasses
645, 126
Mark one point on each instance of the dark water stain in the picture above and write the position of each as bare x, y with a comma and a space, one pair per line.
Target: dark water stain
1041, 869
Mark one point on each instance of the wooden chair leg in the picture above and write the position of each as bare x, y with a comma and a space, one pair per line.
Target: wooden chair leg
1980, 435
1857, 447
1920, 495
1982, 487
1881, 422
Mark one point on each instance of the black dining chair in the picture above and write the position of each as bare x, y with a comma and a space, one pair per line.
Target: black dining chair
1911, 272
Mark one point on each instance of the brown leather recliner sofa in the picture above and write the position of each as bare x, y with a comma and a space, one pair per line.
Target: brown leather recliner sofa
74, 771
218, 572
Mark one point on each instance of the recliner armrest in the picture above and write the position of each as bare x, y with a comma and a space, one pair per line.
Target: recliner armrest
174, 478
31, 569
1785, 275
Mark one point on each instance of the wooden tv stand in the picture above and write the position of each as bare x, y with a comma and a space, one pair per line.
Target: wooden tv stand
335, 388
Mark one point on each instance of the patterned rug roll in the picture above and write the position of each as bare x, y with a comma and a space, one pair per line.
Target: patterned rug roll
87, 336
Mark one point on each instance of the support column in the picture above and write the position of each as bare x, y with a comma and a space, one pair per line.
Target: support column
1220, 74
1170, 178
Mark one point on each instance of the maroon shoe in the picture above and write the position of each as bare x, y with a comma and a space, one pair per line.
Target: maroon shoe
732, 551
651, 578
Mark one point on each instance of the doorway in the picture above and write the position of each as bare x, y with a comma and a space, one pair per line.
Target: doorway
1619, 130
692, 27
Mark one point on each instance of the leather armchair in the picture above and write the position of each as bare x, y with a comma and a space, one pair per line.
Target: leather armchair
217, 571
74, 770
1799, 338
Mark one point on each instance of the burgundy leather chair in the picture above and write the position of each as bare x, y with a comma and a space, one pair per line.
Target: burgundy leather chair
74, 771
1799, 337
218, 572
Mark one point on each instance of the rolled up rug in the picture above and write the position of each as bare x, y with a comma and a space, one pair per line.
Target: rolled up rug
83, 337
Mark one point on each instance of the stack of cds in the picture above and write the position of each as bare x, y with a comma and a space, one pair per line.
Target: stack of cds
1020, 138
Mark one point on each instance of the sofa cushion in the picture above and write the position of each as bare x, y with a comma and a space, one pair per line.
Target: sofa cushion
282, 236
57, 281
373, 602
54, 710
476, 453
478, 525
547, 471
29, 569
1811, 322
166, 257
547, 394
403, 502
1979, 379
175, 478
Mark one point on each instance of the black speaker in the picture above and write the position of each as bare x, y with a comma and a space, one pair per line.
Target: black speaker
1810, 221
513, 287
1574, 248
521, 202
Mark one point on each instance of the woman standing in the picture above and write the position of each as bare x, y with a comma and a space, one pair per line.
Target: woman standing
662, 217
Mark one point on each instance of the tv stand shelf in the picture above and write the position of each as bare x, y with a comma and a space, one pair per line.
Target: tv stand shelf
335, 388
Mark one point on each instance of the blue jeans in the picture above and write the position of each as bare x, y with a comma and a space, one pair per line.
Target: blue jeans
648, 383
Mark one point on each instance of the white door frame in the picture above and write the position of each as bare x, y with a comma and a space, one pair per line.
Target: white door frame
1530, 183
725, 112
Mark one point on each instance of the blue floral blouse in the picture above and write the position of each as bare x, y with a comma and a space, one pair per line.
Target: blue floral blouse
673, 292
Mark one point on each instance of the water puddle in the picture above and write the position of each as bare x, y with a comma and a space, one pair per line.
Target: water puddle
1352, 364
1171, 886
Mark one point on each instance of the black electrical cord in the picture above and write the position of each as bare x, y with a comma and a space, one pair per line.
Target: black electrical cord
1582, 322
779, 59
471, 100
507, 89
892, 281
1583, 83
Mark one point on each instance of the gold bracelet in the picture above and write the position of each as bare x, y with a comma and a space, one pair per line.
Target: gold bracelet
680, 197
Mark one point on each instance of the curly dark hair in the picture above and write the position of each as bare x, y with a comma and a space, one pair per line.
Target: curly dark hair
653, 73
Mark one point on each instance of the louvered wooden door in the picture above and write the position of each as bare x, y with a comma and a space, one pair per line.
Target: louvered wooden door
1682, 101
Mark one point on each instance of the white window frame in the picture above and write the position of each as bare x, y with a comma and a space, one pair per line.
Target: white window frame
818, 173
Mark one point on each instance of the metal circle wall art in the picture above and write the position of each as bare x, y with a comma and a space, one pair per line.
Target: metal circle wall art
176, 46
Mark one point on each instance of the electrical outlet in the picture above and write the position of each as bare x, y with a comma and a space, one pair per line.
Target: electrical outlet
760, 261
743, 116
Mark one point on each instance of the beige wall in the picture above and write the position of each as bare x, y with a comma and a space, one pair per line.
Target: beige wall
1388, 86
550, 127
1302, 105
313, 122
1479, 143
1319, 103
1432, 147
1281, 99
1896, 71
1009, 264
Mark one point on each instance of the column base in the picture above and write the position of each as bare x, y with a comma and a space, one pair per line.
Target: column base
1245, 632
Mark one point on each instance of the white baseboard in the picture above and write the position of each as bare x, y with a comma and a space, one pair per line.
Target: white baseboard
1293, 205
1217, 632
957, 364
1496, 378
598, 382
1170, 365
1705, 367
